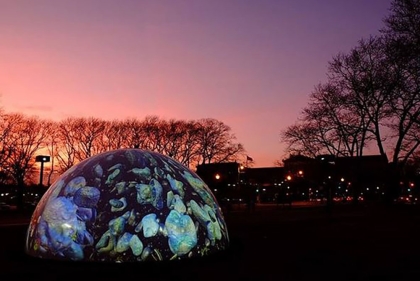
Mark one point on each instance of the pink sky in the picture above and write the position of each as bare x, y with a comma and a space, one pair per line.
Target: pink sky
250, 64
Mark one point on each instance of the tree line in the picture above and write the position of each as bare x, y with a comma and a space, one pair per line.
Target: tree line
370, 101
74, 139
371, 98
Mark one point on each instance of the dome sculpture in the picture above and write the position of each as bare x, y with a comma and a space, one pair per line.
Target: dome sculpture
127, 205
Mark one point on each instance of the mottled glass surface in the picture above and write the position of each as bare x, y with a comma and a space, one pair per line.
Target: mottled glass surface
127, 205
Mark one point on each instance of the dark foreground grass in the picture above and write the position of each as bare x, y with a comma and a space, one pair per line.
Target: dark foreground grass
351, 243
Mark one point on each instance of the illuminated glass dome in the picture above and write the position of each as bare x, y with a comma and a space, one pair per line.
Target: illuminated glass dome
127, 205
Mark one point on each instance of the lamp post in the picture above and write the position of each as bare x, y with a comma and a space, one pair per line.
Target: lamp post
241, 189
241, 170
219, 193
42, 159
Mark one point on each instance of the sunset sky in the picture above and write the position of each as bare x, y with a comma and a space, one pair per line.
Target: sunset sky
248, 63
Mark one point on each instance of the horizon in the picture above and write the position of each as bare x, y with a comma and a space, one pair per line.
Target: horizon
249, 65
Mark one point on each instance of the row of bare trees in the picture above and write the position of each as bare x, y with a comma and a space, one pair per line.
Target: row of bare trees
371, 97
72, 140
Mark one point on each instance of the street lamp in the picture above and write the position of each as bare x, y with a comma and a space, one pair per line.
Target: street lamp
42, 159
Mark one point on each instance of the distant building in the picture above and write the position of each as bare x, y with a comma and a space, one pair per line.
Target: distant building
344, 176
265, 182
298, 166
221, 178
301, 178
364, 175
232, 181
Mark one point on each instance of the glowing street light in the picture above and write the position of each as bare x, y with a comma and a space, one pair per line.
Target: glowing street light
42, 159
217, 176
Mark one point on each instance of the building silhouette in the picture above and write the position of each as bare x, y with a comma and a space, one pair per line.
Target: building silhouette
301, 178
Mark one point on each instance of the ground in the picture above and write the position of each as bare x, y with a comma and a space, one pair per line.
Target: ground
364, 242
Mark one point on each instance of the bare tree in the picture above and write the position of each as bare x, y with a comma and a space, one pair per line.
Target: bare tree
152, 134
90, 137
28, 135
115, 135
375, 96
361, 102
365, 82
6, 147
188, 154
132, 129
52, 142
173, 137
402, 33
68, 143
217, 142
308, 139
327, 126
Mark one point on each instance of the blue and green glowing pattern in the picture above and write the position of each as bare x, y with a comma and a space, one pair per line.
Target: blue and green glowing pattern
127, 205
